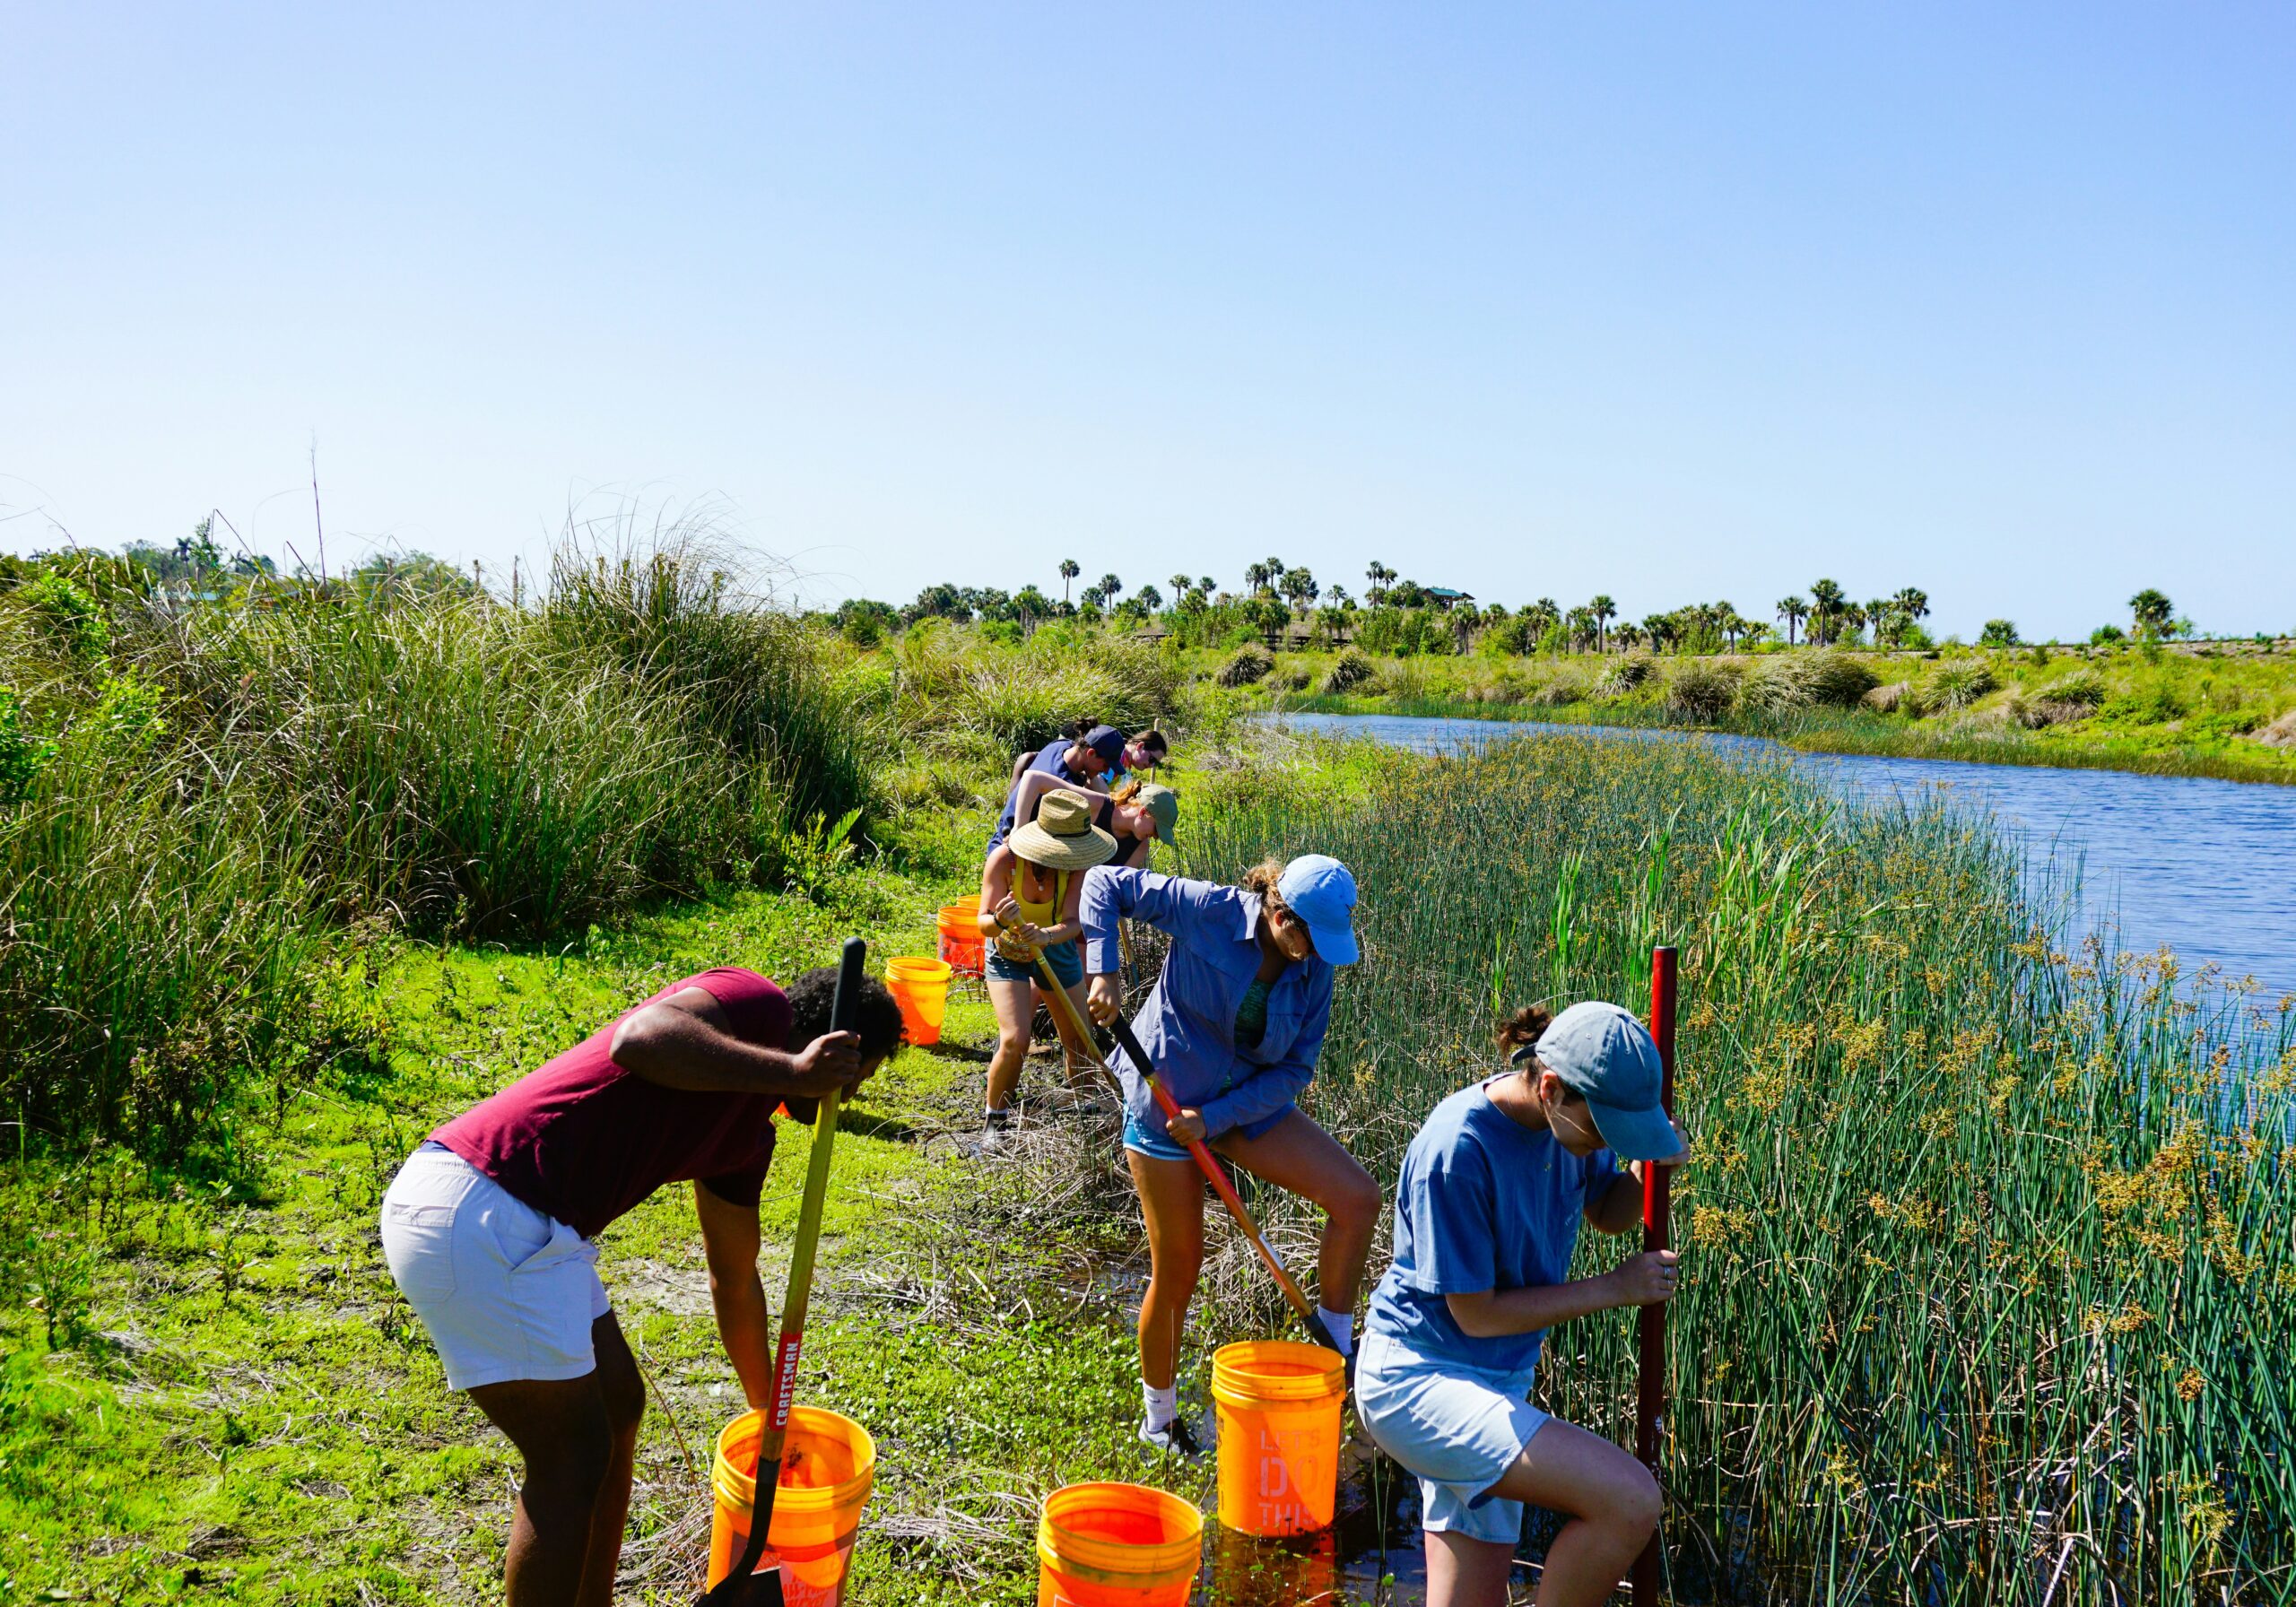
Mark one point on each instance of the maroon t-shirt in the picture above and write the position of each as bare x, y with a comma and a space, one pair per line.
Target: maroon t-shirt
584, 1141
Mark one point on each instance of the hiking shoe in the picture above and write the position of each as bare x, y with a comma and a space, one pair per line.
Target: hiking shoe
995, 1127
1174, 1437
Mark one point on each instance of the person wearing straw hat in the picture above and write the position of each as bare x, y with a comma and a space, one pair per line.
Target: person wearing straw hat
1487, 1215
1028, 893
1234, 1024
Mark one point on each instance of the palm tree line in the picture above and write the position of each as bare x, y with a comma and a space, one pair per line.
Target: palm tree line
1276, 597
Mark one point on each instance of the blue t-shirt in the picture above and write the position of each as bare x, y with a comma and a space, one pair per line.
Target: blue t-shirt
1485, 1203
1051, 759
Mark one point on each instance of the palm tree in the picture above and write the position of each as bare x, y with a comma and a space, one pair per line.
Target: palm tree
1149, 598
1300, 588
1825, 605
1069, 570
1913, 602
1109, 589
1336, 597
1379, 575
1180, 584
1255, 578
1605, 611
1093, 596
1793, 610
2153, 611
1273, 571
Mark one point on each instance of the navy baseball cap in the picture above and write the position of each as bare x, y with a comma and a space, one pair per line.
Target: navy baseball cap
1107, 741
1320, 890
1606, 1056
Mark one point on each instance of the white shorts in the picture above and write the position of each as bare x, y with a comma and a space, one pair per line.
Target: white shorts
1458, 1428
505, 1290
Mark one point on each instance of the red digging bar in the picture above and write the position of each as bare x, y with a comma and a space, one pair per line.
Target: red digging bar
1650, 1395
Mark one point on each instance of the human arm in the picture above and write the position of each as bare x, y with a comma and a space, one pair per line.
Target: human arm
687, 1041
1173, 904
1617, 1207
1269, 1091
730, 1241
1644, 1279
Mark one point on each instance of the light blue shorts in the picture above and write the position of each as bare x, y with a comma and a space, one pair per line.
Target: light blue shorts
1157, 1145
1458, 1427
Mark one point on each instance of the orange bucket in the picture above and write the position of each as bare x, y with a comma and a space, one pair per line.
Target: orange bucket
960, 928
921, 986
828, 1464
1117, 1545
1279, 1404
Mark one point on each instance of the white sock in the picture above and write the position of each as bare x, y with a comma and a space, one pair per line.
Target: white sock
1162, 1405
1340, 1326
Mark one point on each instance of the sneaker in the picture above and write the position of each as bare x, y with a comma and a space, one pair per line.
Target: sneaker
1174, 1437
995, 1127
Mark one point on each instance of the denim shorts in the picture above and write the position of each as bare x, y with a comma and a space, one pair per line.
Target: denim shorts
1141, 1139
1459, 1428
1066, 961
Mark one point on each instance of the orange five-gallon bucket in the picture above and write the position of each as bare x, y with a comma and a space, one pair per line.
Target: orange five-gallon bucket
921, 986
827, 1465
1279, 1406
1117, 1545
960, 928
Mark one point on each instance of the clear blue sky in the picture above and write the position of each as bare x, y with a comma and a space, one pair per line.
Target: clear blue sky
1671, 301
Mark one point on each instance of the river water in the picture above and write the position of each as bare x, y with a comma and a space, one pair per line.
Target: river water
2205, 868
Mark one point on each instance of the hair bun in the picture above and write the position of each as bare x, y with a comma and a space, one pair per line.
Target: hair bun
1524, 1027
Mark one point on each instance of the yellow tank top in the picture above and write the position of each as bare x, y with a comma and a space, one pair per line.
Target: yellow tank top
1034, 911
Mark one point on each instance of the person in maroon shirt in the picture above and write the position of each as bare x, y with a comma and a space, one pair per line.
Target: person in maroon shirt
490, 1226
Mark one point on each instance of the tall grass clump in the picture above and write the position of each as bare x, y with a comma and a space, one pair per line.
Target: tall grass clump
199, 796
958, 685
1990, 1290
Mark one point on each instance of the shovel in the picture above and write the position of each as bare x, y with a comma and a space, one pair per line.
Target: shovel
745, 1587
1212, 1173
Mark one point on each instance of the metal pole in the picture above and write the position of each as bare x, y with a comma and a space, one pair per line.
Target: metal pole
1650, 1395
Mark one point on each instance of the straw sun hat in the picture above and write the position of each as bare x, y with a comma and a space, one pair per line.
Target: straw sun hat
1063, 837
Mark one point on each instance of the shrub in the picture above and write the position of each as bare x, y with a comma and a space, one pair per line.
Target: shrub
1625, 673
1899, 697
2154, 705
1702, 690
70, 617
1352, 669
1796, 680
1958, 684
1997, 633
1559, 690
2084, 688
1251, 662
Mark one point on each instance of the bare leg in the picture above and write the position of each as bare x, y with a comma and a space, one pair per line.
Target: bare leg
1612, 1502
1172, 1205
579, 1437
1466, 1573
1298, 1155
1014, 1003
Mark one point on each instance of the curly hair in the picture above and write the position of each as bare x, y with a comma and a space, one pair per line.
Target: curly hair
877, 1022
1520, 1031
1262, 879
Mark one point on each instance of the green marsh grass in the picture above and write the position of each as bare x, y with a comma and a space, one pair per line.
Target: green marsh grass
1990, 1290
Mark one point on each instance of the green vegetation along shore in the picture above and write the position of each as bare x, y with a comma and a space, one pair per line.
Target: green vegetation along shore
1990, 1280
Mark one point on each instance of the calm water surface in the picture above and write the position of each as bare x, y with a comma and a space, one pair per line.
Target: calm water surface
2206, 868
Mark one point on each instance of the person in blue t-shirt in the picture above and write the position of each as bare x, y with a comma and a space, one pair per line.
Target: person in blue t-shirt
1082, 761
1487, 1215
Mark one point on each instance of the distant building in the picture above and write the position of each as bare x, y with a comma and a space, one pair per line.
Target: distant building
1443, 596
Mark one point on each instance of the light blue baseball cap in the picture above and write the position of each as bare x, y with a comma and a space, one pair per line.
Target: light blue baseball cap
1606, 1056
1320, 890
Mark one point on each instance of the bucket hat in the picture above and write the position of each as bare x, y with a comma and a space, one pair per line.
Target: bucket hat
1608, 1058
1063, 837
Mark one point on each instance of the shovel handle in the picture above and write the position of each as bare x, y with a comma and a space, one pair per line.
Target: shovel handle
1211, 1171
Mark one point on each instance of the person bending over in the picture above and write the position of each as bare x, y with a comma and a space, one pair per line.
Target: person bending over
1487, 1214
1136, 813
1030, 891
1082, 760
1234, 1023
490, 1231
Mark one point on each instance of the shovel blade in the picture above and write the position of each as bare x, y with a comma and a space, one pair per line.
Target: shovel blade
761, 1589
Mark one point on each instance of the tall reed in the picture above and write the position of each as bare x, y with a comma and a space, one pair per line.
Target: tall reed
1990, 1290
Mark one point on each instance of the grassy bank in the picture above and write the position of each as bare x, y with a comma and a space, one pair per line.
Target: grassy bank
1991, 1282
2190, 713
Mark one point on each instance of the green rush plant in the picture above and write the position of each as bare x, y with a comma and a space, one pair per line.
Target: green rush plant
1990, 1292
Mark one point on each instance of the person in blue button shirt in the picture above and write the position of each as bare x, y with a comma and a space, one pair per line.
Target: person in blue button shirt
1233, 1026
1487, 1215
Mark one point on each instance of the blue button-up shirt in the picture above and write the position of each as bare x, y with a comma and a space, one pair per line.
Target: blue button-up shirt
1188, 1025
